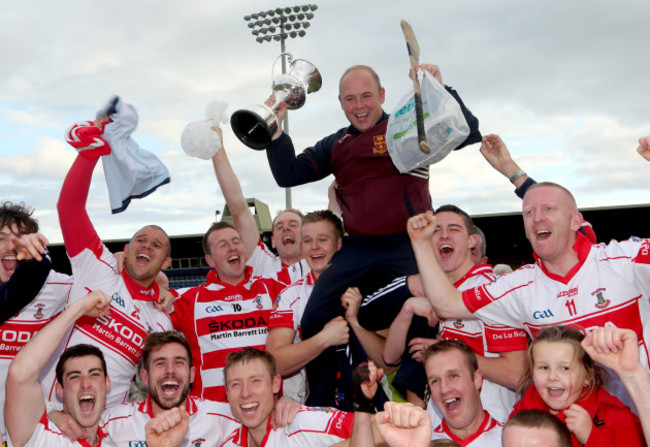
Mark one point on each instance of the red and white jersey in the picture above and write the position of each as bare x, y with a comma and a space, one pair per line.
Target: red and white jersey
485, 340
219, 318
267, 264
121, 334
20, 328
210, 423
48, 434
488, 434
312, 427
287, 312
609, 286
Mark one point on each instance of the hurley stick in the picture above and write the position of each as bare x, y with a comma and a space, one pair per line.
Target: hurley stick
414, 56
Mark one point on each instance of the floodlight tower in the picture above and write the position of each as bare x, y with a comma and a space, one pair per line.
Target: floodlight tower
278, 25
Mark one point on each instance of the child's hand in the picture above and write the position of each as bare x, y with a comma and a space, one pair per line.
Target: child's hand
578, 422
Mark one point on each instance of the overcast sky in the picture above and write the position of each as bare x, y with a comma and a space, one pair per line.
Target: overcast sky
565, 83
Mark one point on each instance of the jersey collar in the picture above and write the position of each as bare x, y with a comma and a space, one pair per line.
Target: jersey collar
213, 277
139, 292
481, 269
147, 407
582, 247
487, 424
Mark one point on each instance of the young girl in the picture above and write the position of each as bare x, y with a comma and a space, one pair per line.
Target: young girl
563, 380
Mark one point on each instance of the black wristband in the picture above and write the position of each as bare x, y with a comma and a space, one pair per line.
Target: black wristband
359, 400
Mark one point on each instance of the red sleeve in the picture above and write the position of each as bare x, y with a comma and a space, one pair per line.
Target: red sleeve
78, 231
621, 427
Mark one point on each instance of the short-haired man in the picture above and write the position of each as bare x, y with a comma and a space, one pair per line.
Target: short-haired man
168, 372
322, 232
251, 383
455, 382
133, 292
375, 199
479, 251
286, 228
82, 381
15, 221
232, 310
573, 282
535, 428
31, 292
500, 349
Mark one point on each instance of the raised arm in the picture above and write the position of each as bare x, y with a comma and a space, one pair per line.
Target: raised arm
78, 231
232, 193
404, 425
444, 297
495, 151
168, 429
28, 278
618, 349
24, 403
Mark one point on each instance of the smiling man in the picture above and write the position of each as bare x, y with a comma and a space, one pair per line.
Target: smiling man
168, 372
322, 232
572, 283
286, 266
133, 292
252, 383
82, 381
500, 349
375, 200
230, 312
31, 293
455, 383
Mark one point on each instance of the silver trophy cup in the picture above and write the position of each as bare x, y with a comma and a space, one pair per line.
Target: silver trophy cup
256, 124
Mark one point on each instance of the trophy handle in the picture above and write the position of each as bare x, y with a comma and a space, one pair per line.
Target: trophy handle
275, 62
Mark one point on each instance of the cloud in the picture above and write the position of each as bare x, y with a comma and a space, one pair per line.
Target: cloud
562, 82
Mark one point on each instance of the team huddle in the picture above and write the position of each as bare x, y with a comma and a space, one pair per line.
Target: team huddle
296, 348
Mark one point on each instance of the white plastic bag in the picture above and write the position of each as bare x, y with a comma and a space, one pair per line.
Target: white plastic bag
444, 125
198, 138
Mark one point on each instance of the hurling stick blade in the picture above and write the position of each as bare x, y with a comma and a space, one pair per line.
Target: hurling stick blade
414, 56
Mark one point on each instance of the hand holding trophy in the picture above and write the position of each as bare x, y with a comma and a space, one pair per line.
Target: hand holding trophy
255, 125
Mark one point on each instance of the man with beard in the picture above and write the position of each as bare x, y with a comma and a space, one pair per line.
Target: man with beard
168, 372
285, 266
82, 382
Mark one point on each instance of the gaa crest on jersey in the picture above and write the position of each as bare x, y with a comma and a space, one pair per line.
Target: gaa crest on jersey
258, 302
601, 301
458, 324
379, 144
39, 311
197, 442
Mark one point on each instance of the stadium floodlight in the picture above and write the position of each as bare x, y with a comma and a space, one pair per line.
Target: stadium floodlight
276, 25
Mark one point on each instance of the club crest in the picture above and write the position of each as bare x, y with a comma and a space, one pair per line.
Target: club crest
601, 301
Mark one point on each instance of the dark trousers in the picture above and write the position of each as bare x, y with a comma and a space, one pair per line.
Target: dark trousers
369, 263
